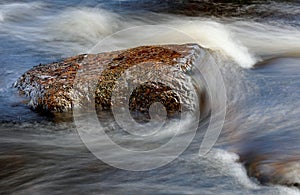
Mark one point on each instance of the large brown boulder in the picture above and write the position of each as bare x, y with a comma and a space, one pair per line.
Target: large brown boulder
49, 87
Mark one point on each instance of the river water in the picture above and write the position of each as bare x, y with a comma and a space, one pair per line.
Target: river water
257, 50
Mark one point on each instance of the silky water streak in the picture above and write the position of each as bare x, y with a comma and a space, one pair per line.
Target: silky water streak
174, 136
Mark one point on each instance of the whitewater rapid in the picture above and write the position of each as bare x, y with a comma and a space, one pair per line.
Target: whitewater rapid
259, 60
79, 29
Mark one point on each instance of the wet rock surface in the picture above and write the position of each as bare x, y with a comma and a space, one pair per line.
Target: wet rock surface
268, 164
50, 87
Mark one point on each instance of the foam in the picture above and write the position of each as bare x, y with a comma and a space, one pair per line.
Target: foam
267, 39
15, 11
230, 166
84, 24
79, 29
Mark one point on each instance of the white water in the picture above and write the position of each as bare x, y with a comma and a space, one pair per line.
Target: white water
84, 24
76, 30
72, 25
268, 39
79, 29
18, 11
227, 163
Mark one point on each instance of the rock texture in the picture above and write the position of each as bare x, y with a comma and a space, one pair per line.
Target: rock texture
50, 87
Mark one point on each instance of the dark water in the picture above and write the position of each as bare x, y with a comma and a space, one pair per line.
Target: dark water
257, 50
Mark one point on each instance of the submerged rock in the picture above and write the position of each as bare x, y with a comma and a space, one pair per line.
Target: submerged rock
279, 171
50, 87
271, 160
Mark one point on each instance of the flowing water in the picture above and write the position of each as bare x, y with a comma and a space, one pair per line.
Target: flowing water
257, 50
